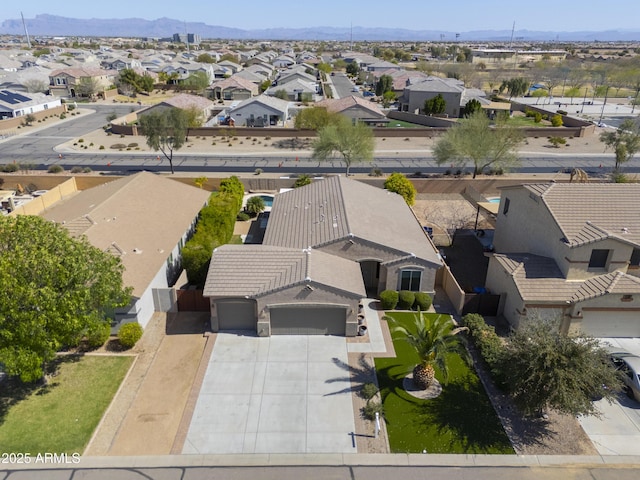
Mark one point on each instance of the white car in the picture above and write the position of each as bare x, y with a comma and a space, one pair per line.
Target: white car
629, 365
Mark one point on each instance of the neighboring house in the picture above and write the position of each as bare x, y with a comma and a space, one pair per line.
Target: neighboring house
233, 88
184, 101
283, 61
415, 94
296, 90
144, 219
231, 66
326, 246
356, 108
382, 66
260, 69
570, 251
16, 104
295, 74
261, 111
65, 82
254, 77
120, 63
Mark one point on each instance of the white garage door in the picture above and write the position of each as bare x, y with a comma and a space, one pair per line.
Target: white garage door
611, 324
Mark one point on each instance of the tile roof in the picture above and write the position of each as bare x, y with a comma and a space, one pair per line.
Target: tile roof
143, 215
274, 103
436, 84
588, 212
80, 72
539, 279
235, 81
341, 104
255, 270
337, 208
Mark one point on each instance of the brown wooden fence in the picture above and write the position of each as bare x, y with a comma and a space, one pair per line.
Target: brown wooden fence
192, 301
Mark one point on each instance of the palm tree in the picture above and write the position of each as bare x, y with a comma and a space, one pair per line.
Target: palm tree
433, 337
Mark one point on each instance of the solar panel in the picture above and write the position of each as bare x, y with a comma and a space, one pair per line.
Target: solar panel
12, 98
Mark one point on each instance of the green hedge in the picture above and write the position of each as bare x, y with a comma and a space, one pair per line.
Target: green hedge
215, 228
423, 301
99, 335
406, 299
488, 343
388, 299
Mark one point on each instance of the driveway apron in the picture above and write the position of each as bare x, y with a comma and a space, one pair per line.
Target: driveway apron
280, 394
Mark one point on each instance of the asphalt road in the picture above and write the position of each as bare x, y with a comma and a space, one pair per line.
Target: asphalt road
342, 85
37, 148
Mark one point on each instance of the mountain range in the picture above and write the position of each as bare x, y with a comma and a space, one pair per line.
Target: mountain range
52, 25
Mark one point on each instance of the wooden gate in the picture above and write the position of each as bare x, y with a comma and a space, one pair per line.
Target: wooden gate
192, 301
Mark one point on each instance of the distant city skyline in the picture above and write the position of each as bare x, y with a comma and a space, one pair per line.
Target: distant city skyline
451, 16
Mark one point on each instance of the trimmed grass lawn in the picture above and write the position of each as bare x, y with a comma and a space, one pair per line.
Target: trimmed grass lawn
61, 416
460, 420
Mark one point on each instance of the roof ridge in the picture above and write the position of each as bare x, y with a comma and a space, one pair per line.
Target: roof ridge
342, 202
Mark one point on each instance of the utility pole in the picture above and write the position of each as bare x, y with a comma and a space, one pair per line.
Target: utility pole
25, 30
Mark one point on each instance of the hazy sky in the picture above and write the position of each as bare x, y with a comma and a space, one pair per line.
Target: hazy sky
447, 15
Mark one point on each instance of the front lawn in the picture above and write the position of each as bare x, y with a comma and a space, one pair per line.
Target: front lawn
61, 416
460, 420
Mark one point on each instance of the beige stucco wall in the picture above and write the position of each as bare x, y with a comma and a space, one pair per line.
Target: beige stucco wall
575, 265
41, 203
499, 282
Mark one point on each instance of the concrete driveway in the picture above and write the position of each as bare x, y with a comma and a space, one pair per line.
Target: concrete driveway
281, 394
617, 432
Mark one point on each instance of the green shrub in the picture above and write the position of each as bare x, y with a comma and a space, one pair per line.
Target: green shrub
302, 180
556, 120
388, 299
10, 167
81, 140
87, 170
537, 117
406, 299
370, 409
55, 169
98, 336
129, 334
243, 217
101, 147
369, 391
76, 170
132, 145
118, 146
487, 341
423, 301
234, 187
62, 116
561, 112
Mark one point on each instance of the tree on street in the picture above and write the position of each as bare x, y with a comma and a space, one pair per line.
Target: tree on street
56, 289
353, 142
550, 370
384, 84
625, 142
165, 131
475, 139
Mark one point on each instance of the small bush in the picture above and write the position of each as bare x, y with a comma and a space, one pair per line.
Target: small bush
97, 337
370, 409
10, 168
62, 116
406, 299
369, 391
101, 147
556, 120
118, 146
375, 172
87, 170
243, 217
132, 145
81, 140
388, 299
76, 170
258, 171
423, 301
129, 334
55, 169
561, 112
537, 118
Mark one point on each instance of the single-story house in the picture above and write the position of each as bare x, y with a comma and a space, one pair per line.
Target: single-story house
184, 101
571, 252
145, 219
326, 246
16, 104
233, 88
356, 108
261, 111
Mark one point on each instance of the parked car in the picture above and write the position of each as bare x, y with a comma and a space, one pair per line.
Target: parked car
629, 365
355, 89
368, 94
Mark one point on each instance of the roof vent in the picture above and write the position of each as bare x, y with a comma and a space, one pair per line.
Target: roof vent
137, 250
625, 230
